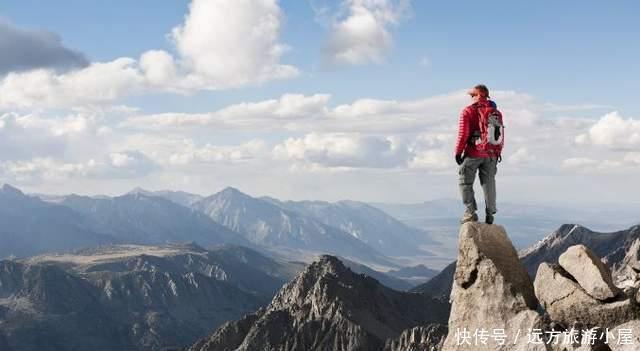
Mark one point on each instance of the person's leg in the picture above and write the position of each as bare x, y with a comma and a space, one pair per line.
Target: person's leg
466, 177
487, 175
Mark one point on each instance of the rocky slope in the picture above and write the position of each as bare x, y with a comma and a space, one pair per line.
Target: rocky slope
266, 224
131, 297
610, 246
328, 307
365, 222
179, 197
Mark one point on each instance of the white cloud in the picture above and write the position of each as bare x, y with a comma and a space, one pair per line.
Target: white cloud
118, 165
20, 138
97, 83
425, 127
633, 157
230, 43
274, 113
221, 44
219, 153
522, 156
363, 34
34, 135
614, 132
431, 160
576, 162
294, 138
344, 150
174, 152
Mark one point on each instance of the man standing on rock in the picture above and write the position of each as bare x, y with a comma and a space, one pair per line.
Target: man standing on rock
478, 150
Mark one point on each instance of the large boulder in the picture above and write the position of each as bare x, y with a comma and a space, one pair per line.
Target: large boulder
567, 302
491, 291
589, 271
627, 337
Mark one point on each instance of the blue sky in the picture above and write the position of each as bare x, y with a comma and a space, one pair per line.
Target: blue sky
376, 124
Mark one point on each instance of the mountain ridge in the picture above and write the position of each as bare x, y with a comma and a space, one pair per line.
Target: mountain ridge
332, 308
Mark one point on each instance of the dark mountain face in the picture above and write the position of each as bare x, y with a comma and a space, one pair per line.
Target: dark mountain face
31, 226
147, 219
266, 224
328, 307
131, 297
611, 247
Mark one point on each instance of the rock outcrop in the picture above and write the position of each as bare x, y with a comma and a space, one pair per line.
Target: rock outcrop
610, 246
328, 307
491, 290
589, 271
422, 338
627, 337
579, 290
567, 302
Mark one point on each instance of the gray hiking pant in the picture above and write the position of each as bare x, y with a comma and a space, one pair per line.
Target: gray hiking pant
487, 169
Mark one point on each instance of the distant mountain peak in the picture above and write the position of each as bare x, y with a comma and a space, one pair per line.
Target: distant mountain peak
139, 190
231, 191
10, 190
328, 264
325, 267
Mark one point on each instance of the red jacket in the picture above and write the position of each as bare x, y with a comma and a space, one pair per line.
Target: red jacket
466, 126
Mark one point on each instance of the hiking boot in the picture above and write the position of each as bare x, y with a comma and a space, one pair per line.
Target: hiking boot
489, 219
469, 217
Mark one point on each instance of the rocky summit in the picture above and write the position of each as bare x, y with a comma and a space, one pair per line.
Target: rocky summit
329, 307
491, 290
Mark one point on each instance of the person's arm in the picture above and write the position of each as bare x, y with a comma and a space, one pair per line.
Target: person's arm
503, 139
463, 132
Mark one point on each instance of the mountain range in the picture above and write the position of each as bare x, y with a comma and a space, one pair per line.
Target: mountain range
31, 226
147, 219
131, 297
298, 229
365, 222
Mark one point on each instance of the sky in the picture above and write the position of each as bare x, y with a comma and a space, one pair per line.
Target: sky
316, 99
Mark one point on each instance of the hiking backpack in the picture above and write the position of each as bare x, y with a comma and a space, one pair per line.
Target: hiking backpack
490, 135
